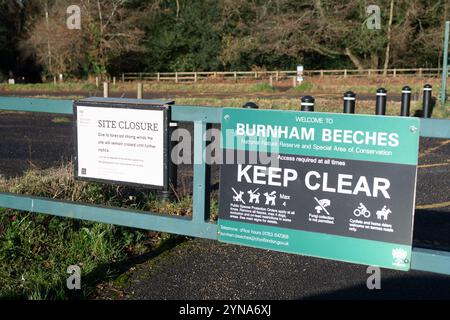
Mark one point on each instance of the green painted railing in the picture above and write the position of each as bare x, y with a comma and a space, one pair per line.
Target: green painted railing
198, 225
195, 227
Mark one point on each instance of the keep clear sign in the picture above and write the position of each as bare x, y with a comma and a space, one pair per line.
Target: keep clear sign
121, 143
335, 186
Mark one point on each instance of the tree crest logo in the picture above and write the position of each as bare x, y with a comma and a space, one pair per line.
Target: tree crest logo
399, 255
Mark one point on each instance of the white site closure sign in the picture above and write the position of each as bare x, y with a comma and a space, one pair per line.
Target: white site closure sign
121, 144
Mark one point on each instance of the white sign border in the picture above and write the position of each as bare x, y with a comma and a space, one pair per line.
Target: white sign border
124, 105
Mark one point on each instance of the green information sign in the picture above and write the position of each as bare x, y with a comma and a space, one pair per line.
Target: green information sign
335, 186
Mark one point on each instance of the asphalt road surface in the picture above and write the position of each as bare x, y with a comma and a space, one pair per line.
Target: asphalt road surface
203, 269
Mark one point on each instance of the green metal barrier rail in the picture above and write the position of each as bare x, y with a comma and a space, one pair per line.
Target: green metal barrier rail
198, 225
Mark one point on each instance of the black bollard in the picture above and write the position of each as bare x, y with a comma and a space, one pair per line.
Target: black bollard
349, 102
380, 108
406, 101
307, 103
426, 106
250, 105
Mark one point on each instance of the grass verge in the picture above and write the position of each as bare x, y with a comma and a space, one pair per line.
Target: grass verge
312, 85
36, 249
48, 87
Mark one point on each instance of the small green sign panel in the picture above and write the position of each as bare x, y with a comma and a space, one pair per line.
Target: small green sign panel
335, 186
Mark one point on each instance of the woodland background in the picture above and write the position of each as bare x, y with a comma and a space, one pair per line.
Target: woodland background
216, 35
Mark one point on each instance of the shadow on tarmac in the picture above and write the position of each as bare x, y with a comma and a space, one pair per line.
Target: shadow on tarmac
408, 287
431, 229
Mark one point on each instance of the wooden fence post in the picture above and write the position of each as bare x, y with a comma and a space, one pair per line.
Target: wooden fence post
158, 76
294, 81
123, 77
105, 89
176, 77
140, 89
235, 76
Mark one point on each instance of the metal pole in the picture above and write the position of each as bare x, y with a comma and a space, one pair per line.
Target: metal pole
349, 102
426, 105
444, 64
169, 195
207, 172
406, 101
307, 103
380, 108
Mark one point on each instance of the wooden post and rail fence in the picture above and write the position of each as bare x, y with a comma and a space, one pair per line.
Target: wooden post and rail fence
277, 75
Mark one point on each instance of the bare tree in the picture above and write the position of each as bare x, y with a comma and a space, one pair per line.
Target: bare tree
107, 30
334, 29
55, 46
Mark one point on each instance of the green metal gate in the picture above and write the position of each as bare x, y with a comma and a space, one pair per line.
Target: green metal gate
198, 225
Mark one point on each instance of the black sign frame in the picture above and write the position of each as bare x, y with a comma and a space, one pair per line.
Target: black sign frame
134, 104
